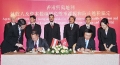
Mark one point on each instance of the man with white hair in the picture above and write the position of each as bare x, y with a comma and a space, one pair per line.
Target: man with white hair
10, 24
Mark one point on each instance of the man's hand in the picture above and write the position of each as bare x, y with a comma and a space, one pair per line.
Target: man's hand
82, 49
19, 45
40, 49
87, 50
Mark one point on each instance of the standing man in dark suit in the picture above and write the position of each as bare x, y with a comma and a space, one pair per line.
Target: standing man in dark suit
14, 39
32, 26
10, 24
37, 43
51, 30
87, 26
71, 31
86, 43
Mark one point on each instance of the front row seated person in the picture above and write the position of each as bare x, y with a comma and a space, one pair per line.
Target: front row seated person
85, 43
36, 43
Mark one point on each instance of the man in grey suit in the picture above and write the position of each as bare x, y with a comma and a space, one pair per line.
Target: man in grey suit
36, 42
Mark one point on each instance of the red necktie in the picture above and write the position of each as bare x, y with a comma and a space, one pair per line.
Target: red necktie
32, 26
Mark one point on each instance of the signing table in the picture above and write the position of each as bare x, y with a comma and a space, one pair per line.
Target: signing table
96, 58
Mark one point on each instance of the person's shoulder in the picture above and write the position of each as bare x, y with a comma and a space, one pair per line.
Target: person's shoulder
76, 24
28, 25
47, 24
7, 24
91, 39
66, 24
42, 39
83, 26
37, 24
112, 29
29, 40
81, 38
92, 25
56, 24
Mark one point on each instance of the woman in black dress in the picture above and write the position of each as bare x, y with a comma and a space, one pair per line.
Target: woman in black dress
108, 37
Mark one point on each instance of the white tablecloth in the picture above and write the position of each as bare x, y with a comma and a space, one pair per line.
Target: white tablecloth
71, 59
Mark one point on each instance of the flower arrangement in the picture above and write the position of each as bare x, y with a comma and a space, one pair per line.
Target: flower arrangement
59, 49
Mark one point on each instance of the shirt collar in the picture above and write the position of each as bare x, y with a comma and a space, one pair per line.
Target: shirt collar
51, 23
32, 23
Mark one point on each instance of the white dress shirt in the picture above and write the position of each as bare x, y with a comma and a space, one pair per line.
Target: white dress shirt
88, 26
71, 25
13, 23
52, 23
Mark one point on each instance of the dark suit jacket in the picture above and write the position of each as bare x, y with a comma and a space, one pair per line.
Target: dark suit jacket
42, 43
110, 38
101, 46
71, 35
83, 28
50, 33
29, 29
81, 43
12, 38
6, 28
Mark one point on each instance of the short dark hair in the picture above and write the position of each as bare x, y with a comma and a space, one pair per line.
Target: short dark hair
88, 31
72, 17
105, 21
33, 16
21, 22
51, 15
34, 32
88, 17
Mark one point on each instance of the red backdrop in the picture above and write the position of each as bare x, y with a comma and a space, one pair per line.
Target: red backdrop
62, 9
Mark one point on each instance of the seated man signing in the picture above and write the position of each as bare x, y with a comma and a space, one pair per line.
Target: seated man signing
36, 43
85, 43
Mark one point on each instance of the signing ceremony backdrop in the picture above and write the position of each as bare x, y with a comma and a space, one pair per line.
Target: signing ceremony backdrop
62, 9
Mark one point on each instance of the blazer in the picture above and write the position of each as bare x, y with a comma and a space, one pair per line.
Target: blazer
81, 43
83, 28
71, 35
50, 33
42, 43
6, 28
11, 39
29, 29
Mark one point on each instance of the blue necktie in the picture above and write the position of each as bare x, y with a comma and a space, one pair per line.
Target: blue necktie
86, 41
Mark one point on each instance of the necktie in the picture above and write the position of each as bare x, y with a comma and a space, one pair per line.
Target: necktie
71, 27
32, 26
86, 41
52, 25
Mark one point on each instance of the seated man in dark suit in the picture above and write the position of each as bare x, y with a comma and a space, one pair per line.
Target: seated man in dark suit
36, 43
86, 43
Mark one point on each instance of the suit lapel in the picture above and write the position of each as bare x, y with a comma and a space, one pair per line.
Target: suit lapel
16, 30
40, 42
